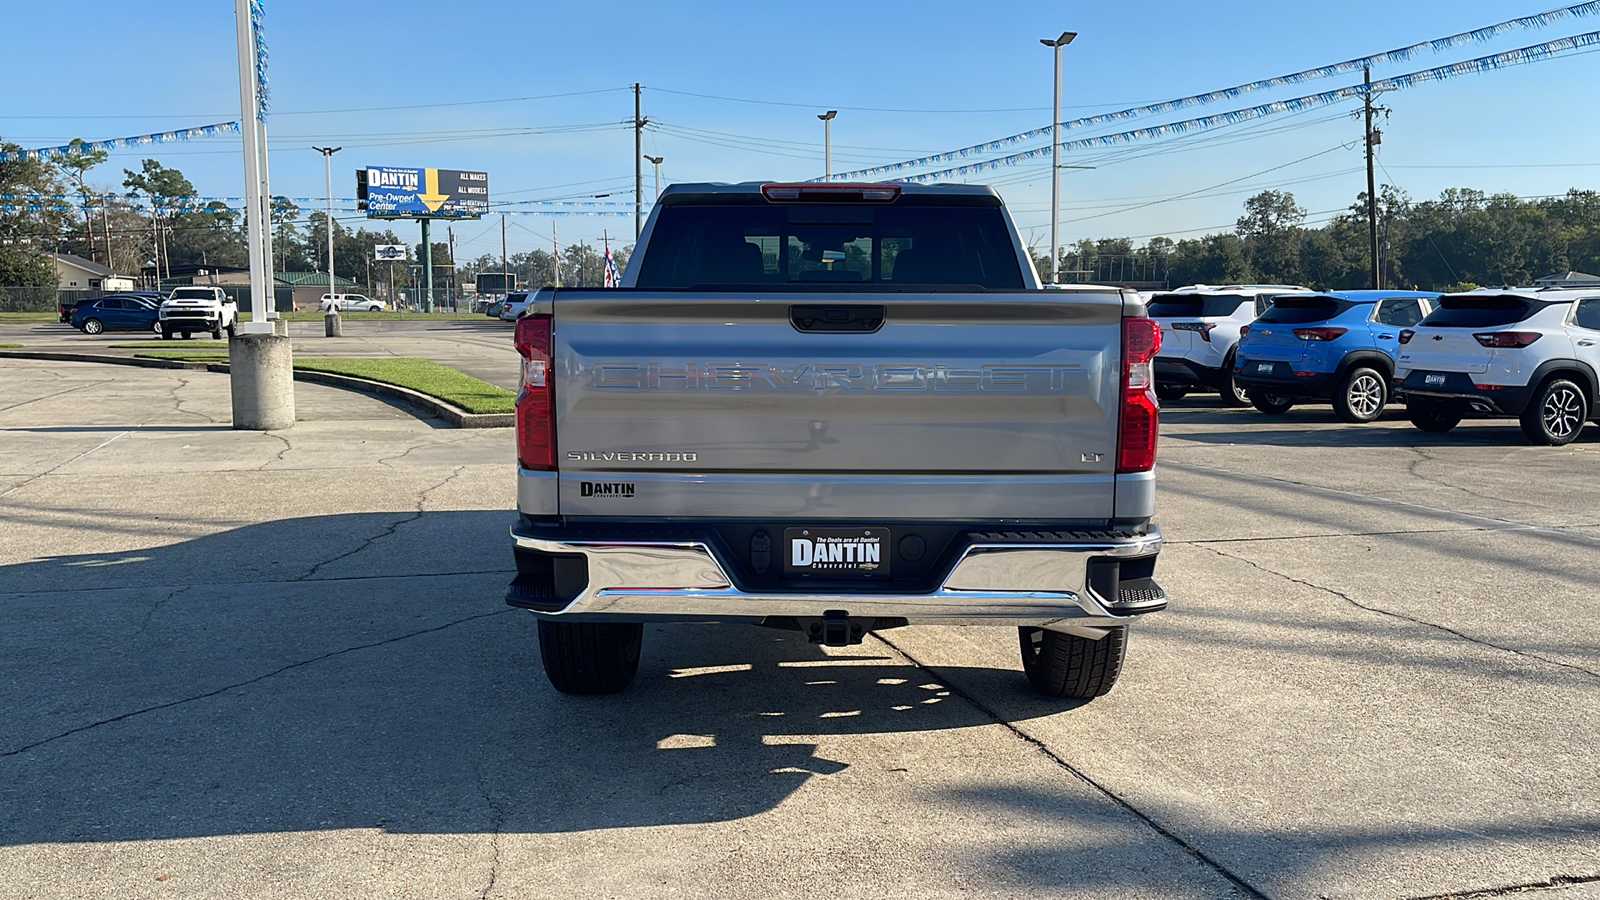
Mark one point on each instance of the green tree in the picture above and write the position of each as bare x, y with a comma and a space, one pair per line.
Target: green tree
26, 235
76, 166
1270, 228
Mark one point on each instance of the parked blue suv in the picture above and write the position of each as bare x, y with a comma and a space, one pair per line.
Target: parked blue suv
1337, 346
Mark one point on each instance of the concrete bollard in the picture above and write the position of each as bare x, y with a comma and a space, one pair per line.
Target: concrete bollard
280, 325
262, 376
333, 324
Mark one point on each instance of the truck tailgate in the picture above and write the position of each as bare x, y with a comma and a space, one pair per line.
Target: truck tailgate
999, 405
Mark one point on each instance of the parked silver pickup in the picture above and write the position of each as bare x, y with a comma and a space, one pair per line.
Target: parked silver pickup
838, 409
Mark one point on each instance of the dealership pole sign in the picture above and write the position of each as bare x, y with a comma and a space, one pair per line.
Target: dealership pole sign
389, 252
405, 193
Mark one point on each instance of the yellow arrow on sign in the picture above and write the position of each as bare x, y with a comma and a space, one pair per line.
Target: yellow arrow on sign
433, 199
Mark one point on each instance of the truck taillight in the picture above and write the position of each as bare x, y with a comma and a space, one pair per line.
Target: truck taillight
536, 407
1141, 414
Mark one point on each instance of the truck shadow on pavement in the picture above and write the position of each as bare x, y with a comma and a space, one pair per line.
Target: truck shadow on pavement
150, 699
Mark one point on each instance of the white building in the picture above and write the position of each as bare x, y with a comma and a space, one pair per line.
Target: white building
74, 273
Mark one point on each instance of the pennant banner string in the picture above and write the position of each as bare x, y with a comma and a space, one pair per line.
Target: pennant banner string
117, 143
1398, 55
1399, 82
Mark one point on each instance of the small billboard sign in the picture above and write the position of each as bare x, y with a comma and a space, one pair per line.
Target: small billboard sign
389, 252
405, 193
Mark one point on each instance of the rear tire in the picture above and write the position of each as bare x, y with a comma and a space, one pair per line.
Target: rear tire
1431, 417
589, 658
1360, 396
1556, 415
1066, 665
93, 326
187, 335
1171, 391
1272, 404
166, 335
216, 334
1233, 393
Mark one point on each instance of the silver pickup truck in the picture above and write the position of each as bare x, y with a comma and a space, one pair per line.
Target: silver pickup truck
837, 409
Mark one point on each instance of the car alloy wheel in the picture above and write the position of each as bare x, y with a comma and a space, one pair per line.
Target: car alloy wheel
1562, 412
1366, 395
156, 326
93, 326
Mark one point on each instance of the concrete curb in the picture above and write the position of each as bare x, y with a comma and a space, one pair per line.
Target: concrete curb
455, 415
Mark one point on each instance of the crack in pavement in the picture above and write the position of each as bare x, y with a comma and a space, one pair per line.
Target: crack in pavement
422, 502
1377, 610
1423, 456
68, 462
1118, 800
1557, 881
249, 681
178, 402
499, 827
158, 604
385, 461
279, 458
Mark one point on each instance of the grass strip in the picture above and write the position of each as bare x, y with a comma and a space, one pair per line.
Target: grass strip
10, 346
29, 317
421, 375
167, 347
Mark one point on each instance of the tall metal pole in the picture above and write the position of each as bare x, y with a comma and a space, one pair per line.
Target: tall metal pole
1055, 158
327, 159
656, 162
505, 270
827, 143
1372, 190
427, 265
248, 122
638, 163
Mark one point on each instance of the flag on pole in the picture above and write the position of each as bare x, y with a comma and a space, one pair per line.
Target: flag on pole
613, 277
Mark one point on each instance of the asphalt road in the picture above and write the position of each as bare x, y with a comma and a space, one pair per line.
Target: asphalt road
278, 665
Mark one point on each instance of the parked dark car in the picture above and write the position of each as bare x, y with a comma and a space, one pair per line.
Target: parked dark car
118, 313
66, 309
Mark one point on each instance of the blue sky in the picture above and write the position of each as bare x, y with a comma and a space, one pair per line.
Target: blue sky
137, 68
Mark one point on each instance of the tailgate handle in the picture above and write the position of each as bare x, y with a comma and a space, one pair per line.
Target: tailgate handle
833, 319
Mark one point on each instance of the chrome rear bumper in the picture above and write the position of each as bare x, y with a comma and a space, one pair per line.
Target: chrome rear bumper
1036, 584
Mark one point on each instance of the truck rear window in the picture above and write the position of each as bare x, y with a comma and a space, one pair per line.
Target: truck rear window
1478, 312
1300, 310
781, 245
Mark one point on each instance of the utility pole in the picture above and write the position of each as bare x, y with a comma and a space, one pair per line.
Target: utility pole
639, 121
505, 270
1055, 158
1373, 138
450, 229
327, 161
827, 143
555, 245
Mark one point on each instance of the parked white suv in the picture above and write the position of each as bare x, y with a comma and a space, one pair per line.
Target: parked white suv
1532, 354
348, 302
1200, 326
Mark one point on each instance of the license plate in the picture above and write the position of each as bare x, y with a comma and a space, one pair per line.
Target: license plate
1434, 380
836, 552
1263, 367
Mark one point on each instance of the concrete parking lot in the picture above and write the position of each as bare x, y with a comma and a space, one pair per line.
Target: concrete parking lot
279, 665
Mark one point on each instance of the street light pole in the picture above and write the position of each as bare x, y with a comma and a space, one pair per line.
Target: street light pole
327, 159
827, 143
656, 161
1055, 159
